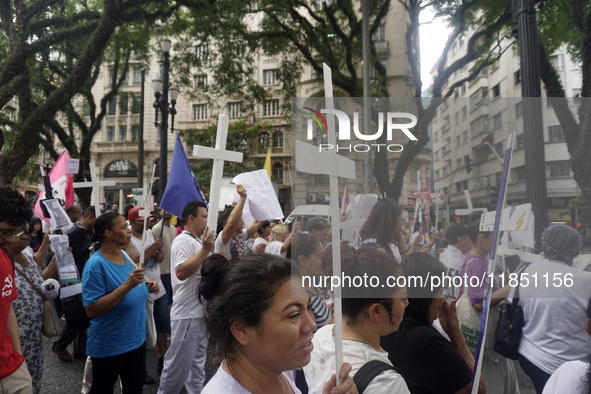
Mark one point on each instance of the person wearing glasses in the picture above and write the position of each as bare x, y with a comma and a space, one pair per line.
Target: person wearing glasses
28, 306
14, 213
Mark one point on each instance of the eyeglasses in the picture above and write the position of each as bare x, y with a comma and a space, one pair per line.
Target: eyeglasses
9, 233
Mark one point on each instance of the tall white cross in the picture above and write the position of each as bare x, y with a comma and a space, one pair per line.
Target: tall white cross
95, 187
219, 154
145, 213
310, 160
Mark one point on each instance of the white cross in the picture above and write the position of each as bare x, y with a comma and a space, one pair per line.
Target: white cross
310, 160
219, 154
95, 187
147, 193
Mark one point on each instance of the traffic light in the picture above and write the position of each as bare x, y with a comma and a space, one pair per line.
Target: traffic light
494, 193
468, 161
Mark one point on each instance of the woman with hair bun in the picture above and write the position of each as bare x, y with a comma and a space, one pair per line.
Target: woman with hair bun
115, 297
260, 315
379, 312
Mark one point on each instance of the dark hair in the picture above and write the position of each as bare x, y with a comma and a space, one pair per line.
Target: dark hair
89, 212
420, 298
32, 223
192, 208
474, 226
242, 290
379, 224
70, 208
265, 224
103, 222
14, 209
223, 218
369, 262
303, 244
126, 210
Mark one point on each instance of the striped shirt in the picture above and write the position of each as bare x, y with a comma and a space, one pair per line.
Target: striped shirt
320, 310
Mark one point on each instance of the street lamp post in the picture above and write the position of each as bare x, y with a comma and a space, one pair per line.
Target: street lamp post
161, 105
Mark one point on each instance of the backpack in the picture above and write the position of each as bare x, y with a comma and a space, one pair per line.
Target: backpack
369, 371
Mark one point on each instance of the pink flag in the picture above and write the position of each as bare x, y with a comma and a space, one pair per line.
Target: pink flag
344, 206
61, 183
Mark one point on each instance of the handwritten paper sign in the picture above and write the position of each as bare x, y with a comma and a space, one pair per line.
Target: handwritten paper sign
263, 202
59, 218
73, 166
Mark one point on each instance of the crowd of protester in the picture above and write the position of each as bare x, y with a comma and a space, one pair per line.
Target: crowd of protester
240, 290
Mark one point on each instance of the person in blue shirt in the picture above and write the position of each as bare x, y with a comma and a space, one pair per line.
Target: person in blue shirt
115, 294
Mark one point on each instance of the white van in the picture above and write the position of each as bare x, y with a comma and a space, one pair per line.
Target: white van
306, 212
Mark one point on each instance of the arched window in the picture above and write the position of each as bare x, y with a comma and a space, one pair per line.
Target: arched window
264, 141
278, 139
277, 171
121, 169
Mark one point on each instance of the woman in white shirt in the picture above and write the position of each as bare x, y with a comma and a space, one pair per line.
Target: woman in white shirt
572, 377
365, 320
259, 313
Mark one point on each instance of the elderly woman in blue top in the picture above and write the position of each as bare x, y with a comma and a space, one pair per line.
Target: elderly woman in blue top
115, 300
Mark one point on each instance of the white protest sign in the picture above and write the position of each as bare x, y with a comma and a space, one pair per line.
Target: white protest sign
73, 166
262, 199
59, 218
247, 218
513, 219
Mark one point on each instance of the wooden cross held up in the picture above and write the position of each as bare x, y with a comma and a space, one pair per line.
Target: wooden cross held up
310, 160
219, 154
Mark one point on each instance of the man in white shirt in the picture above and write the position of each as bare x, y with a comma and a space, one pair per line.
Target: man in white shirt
184, 363
231, 240
459, 243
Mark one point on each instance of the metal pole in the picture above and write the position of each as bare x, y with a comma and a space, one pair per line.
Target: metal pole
163, 128
524, 13
367, 169
140, 137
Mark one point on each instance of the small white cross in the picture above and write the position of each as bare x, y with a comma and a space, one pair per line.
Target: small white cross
95, 187
219, 154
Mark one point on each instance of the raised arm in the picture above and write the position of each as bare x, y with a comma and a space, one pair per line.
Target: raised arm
235, 215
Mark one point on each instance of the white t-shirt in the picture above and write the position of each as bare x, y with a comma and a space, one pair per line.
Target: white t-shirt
185, 301
322, 365
554, 330
168, 235
274, 247
568, 378
223, 382
259, 241
152, 267
231, 249
453, 259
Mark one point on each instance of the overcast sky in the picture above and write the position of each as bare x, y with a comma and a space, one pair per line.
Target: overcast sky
433, 37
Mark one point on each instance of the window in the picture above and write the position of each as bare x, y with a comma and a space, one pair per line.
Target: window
271, 108
465, 137
520, 141
518, 110
499, 147
517, 77
479, 98
122, 133
123, 105
435, 136
200, 111
558, 62
498, 120
555, 133
464, 112
201, 52
458, 143
270, 77
518, 174
136, 104
373, 72
479, 126
458, 163
201, 81
110, 133
412, 174
436, 155
559, 168
278, 139
277, 171
458, 117
137, 75
112, 107
121, 169
496, 90
321, 180
436, 174
235, 110
135, 132
125, 77
264, 141
380, 34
